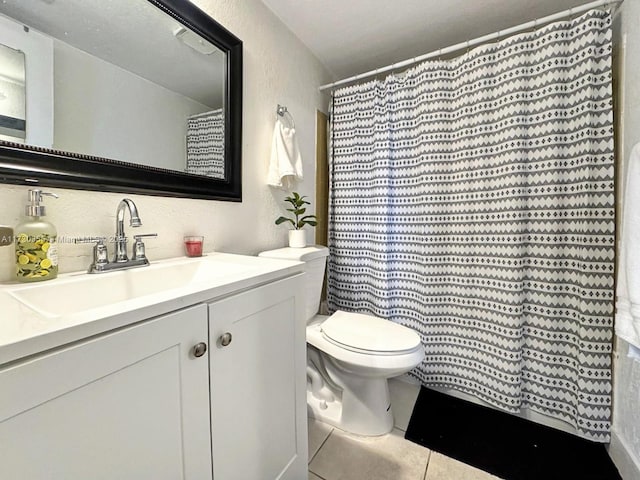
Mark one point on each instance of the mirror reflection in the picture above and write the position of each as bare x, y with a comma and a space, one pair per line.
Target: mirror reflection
123, 80
12, 95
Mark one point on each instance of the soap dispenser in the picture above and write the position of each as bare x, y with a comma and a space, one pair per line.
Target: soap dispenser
36, 242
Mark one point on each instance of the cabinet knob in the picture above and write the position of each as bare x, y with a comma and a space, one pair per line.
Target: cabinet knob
225, 339
200, 349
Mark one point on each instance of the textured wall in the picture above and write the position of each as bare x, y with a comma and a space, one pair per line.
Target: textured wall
625, 444
278, 68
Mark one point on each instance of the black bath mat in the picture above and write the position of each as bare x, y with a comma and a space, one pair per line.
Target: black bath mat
504, 445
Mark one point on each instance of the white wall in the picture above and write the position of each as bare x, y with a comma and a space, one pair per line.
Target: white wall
625, 441
277, 69
93, 114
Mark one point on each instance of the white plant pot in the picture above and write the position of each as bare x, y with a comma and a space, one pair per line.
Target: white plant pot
297, 238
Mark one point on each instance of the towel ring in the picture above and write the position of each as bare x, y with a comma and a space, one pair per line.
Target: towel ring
284, 113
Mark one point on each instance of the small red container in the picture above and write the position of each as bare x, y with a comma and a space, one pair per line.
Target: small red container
193, 246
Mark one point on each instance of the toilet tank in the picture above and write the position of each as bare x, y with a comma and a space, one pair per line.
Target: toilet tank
315, 259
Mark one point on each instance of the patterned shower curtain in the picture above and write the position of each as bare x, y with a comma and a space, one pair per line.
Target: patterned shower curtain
472, 200
205, 144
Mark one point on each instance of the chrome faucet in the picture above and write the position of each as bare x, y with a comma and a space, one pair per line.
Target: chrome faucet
120, 258
121, 239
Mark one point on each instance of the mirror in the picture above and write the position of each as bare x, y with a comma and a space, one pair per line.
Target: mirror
140, 96
12, 95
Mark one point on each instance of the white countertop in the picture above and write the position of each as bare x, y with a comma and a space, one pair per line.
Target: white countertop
25, 330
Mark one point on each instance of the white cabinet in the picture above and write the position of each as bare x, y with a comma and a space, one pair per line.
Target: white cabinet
258, 384
131, 404
138, 403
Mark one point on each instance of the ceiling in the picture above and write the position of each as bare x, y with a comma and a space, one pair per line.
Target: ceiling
355, 36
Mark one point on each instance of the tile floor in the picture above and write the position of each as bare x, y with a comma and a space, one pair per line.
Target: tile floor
336, 455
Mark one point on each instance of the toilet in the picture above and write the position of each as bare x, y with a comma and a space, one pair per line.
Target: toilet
350, 356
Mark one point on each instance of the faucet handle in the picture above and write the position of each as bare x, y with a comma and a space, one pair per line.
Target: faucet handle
138, 246
100, 254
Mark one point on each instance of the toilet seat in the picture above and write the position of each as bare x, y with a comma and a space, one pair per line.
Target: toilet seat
369, 335
378, 364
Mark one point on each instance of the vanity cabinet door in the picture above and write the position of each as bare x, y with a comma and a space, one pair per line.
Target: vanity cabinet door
131, 404
258, 384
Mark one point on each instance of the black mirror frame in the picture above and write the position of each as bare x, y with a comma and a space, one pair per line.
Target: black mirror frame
27, 165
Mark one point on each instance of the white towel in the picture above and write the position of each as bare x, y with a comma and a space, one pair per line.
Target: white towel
285, 166
628, 296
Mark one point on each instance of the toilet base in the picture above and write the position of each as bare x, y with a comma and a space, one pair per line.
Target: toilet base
364, 407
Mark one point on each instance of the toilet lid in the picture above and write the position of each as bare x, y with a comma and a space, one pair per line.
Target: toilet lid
366, 332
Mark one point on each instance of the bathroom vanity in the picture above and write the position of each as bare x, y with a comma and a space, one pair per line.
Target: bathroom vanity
188, 368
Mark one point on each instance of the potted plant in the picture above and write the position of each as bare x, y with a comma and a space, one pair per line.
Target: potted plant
297, 236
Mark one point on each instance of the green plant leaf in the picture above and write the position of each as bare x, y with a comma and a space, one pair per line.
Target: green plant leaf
308, 220
285, 219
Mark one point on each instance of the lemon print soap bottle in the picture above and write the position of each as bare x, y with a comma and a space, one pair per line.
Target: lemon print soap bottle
36, 243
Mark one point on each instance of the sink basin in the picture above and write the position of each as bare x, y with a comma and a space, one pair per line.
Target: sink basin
74, 293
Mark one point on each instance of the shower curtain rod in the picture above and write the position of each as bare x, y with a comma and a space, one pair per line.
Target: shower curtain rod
474, 42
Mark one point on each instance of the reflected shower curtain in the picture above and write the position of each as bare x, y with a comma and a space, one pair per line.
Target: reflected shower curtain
205, 144
472, 200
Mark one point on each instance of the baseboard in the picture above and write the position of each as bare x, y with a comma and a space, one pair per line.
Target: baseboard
622, 456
